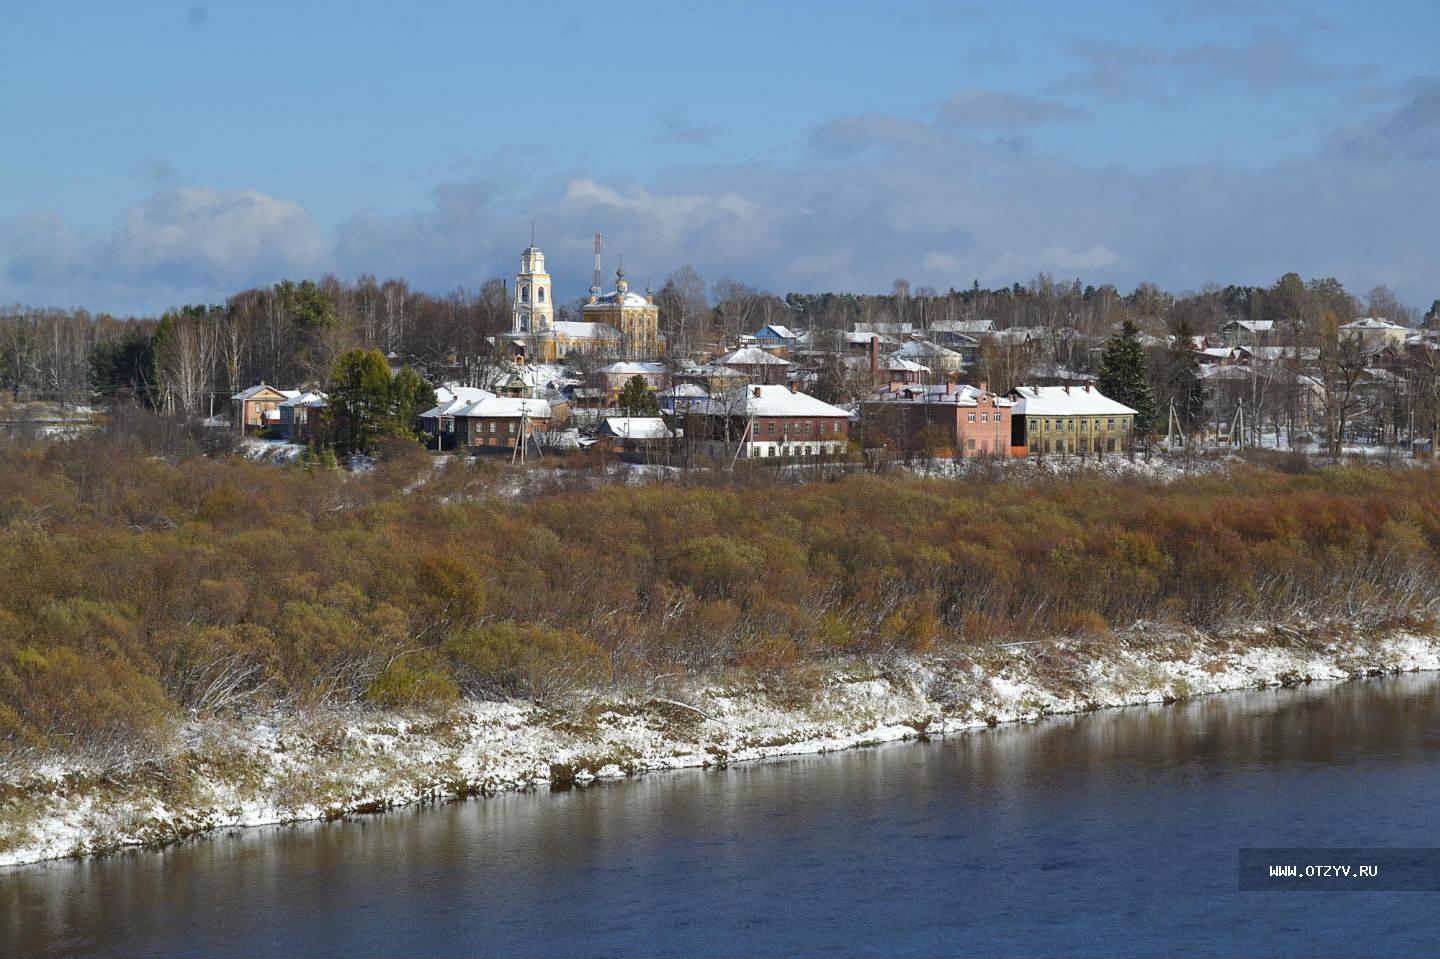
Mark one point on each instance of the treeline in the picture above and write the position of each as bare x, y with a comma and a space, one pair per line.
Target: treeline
191, 358
137, 590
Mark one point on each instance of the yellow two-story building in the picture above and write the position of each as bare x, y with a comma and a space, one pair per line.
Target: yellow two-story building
1070, 420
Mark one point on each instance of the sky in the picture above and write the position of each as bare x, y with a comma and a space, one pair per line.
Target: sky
167, 153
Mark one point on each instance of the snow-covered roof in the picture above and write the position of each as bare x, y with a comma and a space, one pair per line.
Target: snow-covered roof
924, 349
586, 331
636, 427
468, 394
1066, 401
751, 356
712, 370
958, 394
777, 331
962, 326
259, 388
623, 368
862, 337
1373, 323
772, 401
898, 362
681, 390
506, 407
1254, 326
615, 298
454, 399
311, 399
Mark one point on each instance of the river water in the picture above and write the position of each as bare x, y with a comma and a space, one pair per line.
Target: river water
1114, 833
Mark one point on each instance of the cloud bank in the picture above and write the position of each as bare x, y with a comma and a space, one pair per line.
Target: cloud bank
941, 200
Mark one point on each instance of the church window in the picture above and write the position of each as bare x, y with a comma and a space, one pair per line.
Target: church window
525, 294
540, 294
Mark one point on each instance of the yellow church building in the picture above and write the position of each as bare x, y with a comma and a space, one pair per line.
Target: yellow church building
618, 324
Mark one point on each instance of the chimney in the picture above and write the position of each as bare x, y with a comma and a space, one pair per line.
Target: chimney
949, 387
984, 387
1067, 389
874, 361
1087, 387
757, 392
792, 387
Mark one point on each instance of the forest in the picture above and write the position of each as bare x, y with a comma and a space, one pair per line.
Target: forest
136, 590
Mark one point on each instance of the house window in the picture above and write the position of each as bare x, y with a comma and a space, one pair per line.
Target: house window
1111, 445
970, 443
1124, 422
984, 417
492, 427
1112, 422
770, 428
971, 418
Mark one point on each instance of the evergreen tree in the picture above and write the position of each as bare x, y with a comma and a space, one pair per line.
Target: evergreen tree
636, 399
361, 402
1180, 381
1123, 376
409, 397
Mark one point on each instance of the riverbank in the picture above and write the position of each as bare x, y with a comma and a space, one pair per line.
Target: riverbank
223, 774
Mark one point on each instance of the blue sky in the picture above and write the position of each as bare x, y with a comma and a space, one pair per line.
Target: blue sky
176, 152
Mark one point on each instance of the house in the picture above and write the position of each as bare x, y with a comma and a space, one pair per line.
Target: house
1048, 420
756, 365
300, 416
500, 421
1247, 332
775, 337
767, 421
965, 344
937, 358
439, 420
612, 379
966, 327
944, 419
631, 433
711, 377
887, 369
257, 408
682, 398
1375, 333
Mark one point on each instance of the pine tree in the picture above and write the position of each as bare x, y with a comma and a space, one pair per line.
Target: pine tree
636, 399
1123, 376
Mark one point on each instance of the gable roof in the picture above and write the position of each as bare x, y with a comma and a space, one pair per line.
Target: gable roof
1063, 401
772, 401
636, 427
506, 407
778, 331
260, 388
751, 356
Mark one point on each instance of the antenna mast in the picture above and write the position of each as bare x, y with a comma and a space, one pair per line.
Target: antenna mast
596, 281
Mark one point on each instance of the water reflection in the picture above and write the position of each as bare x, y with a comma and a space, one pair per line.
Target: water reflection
1109, 833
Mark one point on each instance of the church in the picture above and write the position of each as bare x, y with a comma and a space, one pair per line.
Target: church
617, 324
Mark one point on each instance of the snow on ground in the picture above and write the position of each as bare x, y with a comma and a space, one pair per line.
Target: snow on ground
286, 768
269, 451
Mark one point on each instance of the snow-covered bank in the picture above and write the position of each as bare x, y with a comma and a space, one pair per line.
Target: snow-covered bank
223, 774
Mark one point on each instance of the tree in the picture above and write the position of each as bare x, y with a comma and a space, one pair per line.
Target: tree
409, 397
361, 404
1178, 382
1123, 375
636, 398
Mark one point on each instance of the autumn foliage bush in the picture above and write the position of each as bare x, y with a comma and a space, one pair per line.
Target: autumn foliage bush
136, 589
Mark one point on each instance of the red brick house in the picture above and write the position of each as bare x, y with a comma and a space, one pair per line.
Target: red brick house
945, 419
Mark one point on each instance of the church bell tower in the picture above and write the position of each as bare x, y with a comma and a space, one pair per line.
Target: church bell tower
534, 311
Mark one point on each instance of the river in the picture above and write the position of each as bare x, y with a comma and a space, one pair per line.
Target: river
1114, 833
